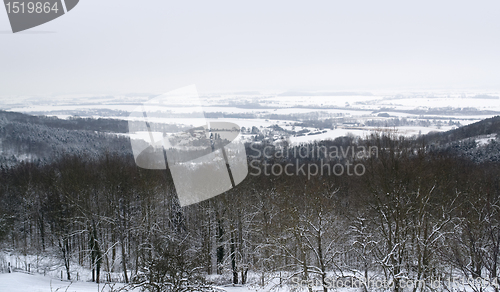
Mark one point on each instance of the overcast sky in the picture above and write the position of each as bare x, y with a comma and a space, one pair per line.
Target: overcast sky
122, 46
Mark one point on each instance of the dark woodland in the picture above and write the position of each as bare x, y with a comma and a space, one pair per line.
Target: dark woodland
426, 208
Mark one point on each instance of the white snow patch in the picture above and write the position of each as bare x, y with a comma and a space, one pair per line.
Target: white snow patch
20, 282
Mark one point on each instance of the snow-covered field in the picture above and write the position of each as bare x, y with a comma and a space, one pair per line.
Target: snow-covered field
458, 107
35, 273
21, 282
24, 282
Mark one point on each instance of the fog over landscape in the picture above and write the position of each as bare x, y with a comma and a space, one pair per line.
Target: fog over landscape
328, 115
119, 47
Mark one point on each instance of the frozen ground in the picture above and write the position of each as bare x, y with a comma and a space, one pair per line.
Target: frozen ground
21, 282
45, 276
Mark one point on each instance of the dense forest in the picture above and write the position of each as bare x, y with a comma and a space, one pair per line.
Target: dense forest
425, 209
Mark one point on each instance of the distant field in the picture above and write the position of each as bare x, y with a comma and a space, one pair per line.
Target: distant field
426, 112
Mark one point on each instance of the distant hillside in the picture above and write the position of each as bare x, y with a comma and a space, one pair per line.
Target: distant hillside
25, 137
101, 125
39, 138
465, 141
484, 127
298, 93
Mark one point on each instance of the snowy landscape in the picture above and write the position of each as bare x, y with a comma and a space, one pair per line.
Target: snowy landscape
249, 146
408, 113
78, 215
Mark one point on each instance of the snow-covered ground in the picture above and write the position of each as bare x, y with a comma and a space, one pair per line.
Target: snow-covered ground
45, 276
21, 282
463, 107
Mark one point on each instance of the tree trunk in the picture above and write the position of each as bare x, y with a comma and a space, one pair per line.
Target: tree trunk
220, 242
233, 258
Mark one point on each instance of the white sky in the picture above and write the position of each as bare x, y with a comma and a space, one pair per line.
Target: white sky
122, 46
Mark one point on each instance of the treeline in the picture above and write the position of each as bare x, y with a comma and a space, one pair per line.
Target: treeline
484, 127
73, 123
45, 139
413, 214
44, 144
400, 122
387, 122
